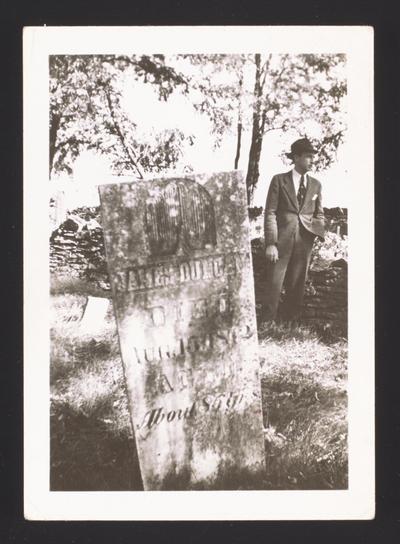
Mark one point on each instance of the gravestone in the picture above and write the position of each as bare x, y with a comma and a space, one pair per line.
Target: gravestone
94, 316
178, 254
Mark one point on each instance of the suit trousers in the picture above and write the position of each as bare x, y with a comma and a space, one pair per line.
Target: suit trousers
289, 271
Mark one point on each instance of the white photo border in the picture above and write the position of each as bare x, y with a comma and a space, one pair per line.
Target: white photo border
358, 501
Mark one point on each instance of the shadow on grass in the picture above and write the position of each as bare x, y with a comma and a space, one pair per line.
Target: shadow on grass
227, 479
284, 330
306, 441
305, 406
87, 456
69, 356
304, 402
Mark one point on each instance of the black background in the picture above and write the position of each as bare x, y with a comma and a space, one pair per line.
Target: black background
383, 17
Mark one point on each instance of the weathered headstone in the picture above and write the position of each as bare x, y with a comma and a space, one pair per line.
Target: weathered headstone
179, 260
93, 319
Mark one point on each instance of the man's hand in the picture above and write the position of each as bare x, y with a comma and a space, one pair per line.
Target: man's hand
271, 252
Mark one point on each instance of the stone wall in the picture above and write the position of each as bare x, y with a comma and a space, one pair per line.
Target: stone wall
325, 300
77, 248
77, 251
336, 220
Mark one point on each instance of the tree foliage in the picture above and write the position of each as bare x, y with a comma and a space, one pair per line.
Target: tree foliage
216, 90
302, 93
86, 111
239, 94
266, 92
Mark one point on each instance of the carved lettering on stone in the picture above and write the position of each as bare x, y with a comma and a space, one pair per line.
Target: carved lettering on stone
178, 254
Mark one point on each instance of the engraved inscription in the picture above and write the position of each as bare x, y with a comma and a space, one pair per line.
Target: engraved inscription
158, 316
170, 274
201, 344
183, 378
165, 383
190, 310
180, 268
181, 215
208, 404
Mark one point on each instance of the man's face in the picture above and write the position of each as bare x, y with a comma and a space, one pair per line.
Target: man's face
303, 162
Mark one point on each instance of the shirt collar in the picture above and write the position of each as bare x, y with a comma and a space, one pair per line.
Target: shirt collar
297, 176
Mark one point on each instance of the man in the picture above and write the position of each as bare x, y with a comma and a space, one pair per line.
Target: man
294, 216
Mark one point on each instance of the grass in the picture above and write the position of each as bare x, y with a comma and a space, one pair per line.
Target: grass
305, 402
92, 448
75, 286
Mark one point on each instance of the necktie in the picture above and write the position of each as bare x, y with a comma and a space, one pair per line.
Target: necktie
301, 192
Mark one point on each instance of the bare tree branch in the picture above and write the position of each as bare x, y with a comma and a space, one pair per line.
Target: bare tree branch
264, 71
129, 152
270, 129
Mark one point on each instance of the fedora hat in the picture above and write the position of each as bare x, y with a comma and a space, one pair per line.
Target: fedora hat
299, 147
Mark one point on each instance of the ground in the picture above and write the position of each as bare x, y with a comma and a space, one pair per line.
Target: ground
304, 376
304, 397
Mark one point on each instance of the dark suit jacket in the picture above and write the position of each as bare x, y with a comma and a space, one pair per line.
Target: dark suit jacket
282, 211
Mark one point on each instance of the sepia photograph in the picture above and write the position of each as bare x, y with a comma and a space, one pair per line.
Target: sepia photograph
197, 269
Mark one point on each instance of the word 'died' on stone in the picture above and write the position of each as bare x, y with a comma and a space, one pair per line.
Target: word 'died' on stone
179, 261
190, 309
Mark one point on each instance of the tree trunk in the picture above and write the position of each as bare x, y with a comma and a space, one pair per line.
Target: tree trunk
55, 124
253, 172
238, 145
239, 125
256, 136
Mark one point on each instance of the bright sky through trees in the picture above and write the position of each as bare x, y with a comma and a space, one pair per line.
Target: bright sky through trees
198, 153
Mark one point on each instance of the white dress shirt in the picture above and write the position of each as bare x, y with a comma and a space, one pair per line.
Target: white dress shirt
296, 180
